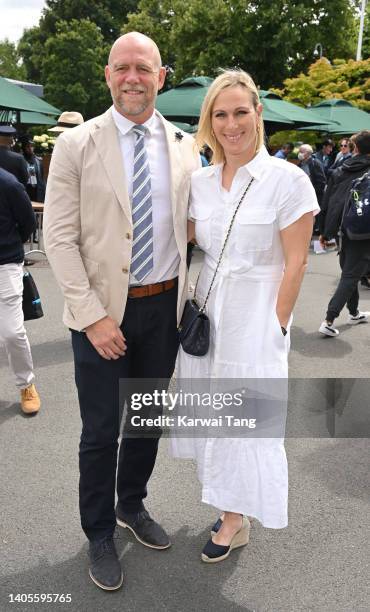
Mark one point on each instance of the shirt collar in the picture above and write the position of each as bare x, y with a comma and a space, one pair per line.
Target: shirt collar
253, 168
124, 125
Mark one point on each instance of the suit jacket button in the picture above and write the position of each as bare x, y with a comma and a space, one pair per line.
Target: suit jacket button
125, 270
128, 236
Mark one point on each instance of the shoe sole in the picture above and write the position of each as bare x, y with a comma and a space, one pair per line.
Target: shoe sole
327, 334
30, 412
155, 546
242, 541
351, 322
103, 586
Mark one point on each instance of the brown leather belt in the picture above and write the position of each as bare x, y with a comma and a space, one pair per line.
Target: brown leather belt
153, 289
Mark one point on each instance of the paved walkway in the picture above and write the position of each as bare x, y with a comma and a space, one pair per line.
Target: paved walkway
319, 563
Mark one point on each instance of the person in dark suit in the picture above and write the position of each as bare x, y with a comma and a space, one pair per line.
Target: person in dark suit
17, 222
313, 168
9, 160
325, 155
36, 184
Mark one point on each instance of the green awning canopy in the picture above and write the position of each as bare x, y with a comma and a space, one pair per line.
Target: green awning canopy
37, 119
349, 119
185, 127
299, 116
15, 98
183, 104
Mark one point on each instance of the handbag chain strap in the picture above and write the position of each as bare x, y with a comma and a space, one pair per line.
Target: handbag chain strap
223, 247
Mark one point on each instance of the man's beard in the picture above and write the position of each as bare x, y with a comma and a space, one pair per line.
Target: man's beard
133, 108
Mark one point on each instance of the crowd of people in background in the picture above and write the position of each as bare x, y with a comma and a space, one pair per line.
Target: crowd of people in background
331, 171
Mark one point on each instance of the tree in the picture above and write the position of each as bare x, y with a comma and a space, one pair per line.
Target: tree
271, 40
108, 15
73, 68
31, 48
10, 62
366, 37
348, 80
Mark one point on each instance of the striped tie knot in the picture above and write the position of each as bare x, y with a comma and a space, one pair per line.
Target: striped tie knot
139, 130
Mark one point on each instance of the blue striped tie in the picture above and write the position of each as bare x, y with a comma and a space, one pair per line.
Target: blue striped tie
142, 248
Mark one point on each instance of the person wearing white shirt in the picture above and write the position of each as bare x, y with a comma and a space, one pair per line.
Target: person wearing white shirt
249, 308
115, 234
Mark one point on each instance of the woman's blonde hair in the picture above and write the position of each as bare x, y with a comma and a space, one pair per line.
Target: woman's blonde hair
205, 135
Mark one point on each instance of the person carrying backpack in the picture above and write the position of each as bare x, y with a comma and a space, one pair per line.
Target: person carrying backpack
346, 212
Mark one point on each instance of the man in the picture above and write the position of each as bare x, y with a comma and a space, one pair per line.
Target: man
115, 234
343, 154
313, 168
66, 121
325, 155
354, 254
285, 150
36, 185
9, 160
17, 222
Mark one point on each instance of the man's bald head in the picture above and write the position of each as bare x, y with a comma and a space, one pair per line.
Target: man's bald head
136, 40
134, 75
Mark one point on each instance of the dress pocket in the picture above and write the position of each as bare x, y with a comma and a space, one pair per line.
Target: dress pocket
202, 217
254, 230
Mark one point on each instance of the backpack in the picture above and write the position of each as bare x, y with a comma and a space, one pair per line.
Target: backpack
356, 212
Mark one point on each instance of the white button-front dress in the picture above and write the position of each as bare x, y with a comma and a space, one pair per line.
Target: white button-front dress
244, 474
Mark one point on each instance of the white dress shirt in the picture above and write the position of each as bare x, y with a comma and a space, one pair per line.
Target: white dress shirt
166, 257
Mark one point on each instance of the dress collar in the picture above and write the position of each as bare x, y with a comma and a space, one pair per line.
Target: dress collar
253, 168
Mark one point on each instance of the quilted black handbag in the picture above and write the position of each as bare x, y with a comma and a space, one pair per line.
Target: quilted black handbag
31, 304
194, 328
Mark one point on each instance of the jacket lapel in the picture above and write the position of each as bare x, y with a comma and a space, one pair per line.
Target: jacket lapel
175, 162
105, 136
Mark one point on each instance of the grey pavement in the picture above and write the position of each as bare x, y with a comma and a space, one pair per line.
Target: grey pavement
319, 563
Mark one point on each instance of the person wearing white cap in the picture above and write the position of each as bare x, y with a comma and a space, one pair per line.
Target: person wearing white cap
66, 121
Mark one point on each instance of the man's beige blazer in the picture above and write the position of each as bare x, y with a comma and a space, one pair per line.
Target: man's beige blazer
87, 218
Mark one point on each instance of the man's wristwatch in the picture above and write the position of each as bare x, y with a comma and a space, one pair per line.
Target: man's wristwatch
284, 331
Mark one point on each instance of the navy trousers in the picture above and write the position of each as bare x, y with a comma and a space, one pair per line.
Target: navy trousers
150, 329
354, 260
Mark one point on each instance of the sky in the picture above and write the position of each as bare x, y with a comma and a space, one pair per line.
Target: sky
16, 15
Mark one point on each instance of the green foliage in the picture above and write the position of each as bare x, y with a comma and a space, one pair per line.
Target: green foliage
271, 40
73, 68
107, 15
366, 36
10, 62
280, 138
348, 80
31, 49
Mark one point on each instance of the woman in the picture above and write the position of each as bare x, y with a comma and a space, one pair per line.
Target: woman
250, 305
